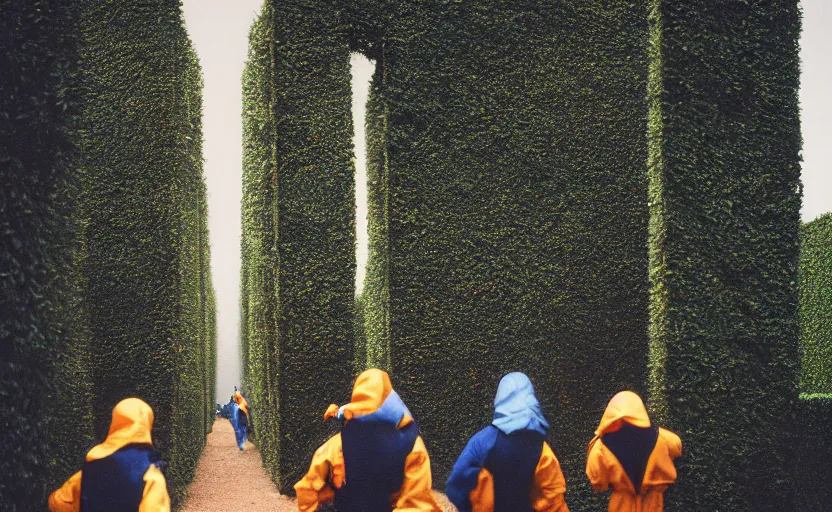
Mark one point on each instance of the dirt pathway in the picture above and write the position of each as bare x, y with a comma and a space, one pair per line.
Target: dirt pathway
223, 468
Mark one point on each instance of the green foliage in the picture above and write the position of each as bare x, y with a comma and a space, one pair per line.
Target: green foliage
814, 450
375, 352
724, 171
41, 382
508, 212
522, 218
121, 288
298, 230
816, 306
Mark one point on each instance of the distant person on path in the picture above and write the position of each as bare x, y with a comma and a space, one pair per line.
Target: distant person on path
508, 466
122, 473
239, 418
377, 463
632, 457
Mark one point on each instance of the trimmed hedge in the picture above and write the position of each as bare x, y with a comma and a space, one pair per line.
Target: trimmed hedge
105, 259
814, 450
375, 300
147, 267
816, 306
257, 324
725, 216
298, 229
512, 201
45, 395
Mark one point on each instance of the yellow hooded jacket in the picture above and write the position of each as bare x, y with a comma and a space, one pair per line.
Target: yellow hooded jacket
327, 472
605, 471
131, 424
240, 401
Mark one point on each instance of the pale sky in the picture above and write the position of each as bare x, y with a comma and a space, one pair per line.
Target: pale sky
219, 31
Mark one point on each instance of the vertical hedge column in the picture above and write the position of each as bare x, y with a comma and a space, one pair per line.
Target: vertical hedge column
816, 306
375, 300
724, 194
43, 384
299, 234
507, 150
146, 270
815, 444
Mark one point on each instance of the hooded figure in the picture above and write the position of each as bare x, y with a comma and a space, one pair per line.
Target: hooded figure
239, 418
377, 463
508, 466
121, 473
632, 457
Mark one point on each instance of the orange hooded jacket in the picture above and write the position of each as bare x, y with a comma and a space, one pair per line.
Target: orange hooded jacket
327, 472
240, 401
131, 424
605, 471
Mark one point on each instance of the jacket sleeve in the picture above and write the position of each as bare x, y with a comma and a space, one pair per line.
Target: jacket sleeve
415, 494
465, 475
67, 498
674, 444
155, 497
549, 484
596, 468
326, 473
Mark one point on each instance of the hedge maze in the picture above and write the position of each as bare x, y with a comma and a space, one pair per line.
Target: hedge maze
106, 267
604, 195
298, 230
815, 443
724, 181
39, 337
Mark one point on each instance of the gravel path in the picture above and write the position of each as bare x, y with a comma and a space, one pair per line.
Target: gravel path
223, 469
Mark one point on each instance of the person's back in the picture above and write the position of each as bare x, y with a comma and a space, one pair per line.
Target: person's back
632, 457
508, 466
117, 482
239, 418
375, 451
377, 463
122, 473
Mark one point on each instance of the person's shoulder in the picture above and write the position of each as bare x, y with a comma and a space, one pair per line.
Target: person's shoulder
672, 441
484, 439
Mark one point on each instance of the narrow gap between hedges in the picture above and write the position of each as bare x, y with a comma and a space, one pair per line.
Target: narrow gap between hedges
361, 69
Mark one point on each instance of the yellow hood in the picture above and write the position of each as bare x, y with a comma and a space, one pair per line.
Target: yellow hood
627, 407
131, 424
241, 402
370, 391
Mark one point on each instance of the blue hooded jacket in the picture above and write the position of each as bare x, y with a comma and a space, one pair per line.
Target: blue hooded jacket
510, 449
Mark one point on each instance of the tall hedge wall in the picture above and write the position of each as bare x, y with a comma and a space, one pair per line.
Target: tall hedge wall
816, 306
375, 300
813, 473
513, 200
42, 382
725, 199
258, 276
298, 234
815, 445
146, 267
106, 287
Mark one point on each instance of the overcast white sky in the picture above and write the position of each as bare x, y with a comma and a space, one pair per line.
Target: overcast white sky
219, 30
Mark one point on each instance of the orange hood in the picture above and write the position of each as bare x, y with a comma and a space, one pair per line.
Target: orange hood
240, 401
627, 407
371, 390
131, 424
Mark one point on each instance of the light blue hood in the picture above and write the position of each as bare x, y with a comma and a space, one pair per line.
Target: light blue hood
516, 407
